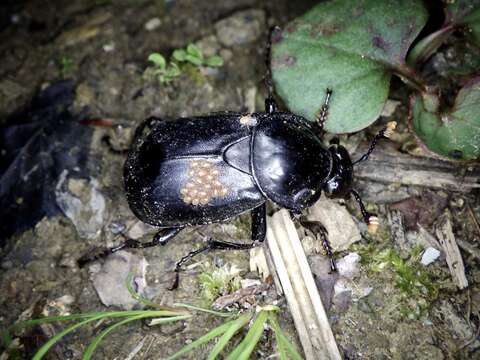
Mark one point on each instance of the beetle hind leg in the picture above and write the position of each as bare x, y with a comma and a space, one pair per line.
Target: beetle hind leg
259, 230
160, 238
211, 245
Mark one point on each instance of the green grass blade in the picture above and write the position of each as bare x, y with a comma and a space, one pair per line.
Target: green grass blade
282, 352
245, 348
169, 319
208, 311
93, 345
90, 317
6, 337
219, 330
280, 344
50, 319
232, 330
43, 350
282, 341
137, 296
105, 314
289, 347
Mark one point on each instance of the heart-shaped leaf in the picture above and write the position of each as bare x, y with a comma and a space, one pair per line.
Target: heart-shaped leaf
349, 46
455, 134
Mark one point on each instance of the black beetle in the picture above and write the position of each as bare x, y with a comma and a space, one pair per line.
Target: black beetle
201, 170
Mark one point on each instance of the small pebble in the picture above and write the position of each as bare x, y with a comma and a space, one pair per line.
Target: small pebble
429, 256
152, 24
109, 47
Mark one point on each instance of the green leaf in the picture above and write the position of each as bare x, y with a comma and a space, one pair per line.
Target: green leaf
172, 71
179, 54
158, 60
455, 134
194, 51
214, 61
349, 46
193, 59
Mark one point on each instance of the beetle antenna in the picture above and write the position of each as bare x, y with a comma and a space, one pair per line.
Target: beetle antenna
370, 219
270, 105
385, 133
322, 114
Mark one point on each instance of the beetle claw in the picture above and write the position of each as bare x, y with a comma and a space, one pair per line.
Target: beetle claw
92, 255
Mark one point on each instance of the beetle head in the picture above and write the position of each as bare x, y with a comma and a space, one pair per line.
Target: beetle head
339, 184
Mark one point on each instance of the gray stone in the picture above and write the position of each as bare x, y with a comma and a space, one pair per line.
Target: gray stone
348, 265
241, 28
342, 229
110, 281
82, 202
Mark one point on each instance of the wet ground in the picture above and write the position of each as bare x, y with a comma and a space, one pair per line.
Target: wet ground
102, 47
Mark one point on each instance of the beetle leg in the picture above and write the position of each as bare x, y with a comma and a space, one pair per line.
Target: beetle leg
259, 230
270, 104
370, 219
211, 245
318, 229
160, 238
259, 223
322, 114
148, 123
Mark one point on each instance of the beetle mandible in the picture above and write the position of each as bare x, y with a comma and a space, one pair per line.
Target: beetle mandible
207, 169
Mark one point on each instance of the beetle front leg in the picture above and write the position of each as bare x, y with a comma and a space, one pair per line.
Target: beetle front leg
160, 238
317, 228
